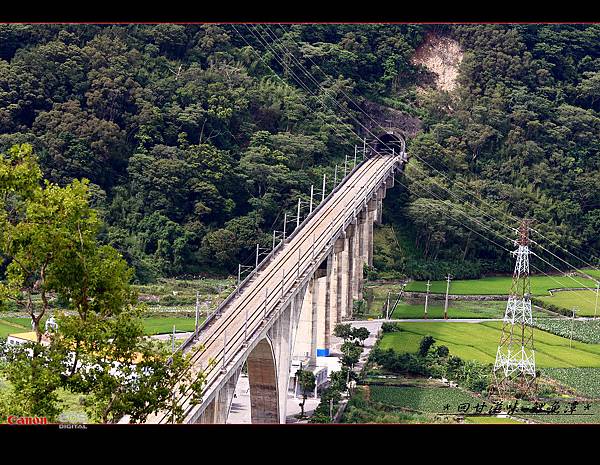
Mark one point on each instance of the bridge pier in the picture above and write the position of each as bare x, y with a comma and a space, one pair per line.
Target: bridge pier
351, 291
303, 318
263, 380
218, 409
337, 292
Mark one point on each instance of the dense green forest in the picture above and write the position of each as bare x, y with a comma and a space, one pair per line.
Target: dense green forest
196, 138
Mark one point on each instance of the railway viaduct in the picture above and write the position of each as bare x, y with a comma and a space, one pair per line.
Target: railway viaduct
292, 300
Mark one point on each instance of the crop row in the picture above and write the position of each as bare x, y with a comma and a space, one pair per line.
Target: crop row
585, 381
438, 400
582, 330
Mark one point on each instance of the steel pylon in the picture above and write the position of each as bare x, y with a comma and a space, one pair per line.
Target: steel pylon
514, 369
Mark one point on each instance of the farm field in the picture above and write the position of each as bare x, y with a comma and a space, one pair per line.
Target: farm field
479, 341
456, 309
581, 414
481, 420
427, 404
9, 326
585, 301
500, 285
582, 330
494, 309
152, 325
182, 292
585, 381
424, 399
157, 325
594, 273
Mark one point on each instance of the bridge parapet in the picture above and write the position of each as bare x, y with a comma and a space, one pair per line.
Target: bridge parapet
337, 233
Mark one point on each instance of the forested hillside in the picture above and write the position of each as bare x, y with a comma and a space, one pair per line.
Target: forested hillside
195, 138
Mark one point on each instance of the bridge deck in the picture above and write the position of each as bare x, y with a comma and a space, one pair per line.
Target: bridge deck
291, 260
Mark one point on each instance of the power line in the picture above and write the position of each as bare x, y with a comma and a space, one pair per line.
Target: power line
508, 215
304, 86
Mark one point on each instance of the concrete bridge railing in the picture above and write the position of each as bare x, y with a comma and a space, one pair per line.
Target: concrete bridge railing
289, 304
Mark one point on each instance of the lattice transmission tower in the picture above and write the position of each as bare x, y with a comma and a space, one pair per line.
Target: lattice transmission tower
514, 369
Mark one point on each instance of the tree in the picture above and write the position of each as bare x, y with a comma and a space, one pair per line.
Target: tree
307, 383
343, 330
351, 354
48, 236
360, 334
425, 344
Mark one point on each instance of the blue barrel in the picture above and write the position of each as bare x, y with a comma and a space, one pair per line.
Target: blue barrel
322, 352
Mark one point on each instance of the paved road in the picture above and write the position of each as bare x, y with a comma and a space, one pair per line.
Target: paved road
167, 337
267, 285
240, 412
374, 326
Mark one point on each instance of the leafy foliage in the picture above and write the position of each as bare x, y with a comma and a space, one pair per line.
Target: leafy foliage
49, 241
195, 137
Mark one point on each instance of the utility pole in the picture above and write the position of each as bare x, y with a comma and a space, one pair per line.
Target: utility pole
446, 303
427, 297
387, 306
197, 312
173, 341
596, 306
572, 324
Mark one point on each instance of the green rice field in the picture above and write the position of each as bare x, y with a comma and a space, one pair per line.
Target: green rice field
500, 285
479, 341
594, 273
456, 309
13, 325
152, 325
165, 325
584, 301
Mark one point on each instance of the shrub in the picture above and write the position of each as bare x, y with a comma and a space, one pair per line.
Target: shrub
391, 327
425, 344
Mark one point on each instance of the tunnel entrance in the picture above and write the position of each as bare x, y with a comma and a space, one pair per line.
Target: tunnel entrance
389, 143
